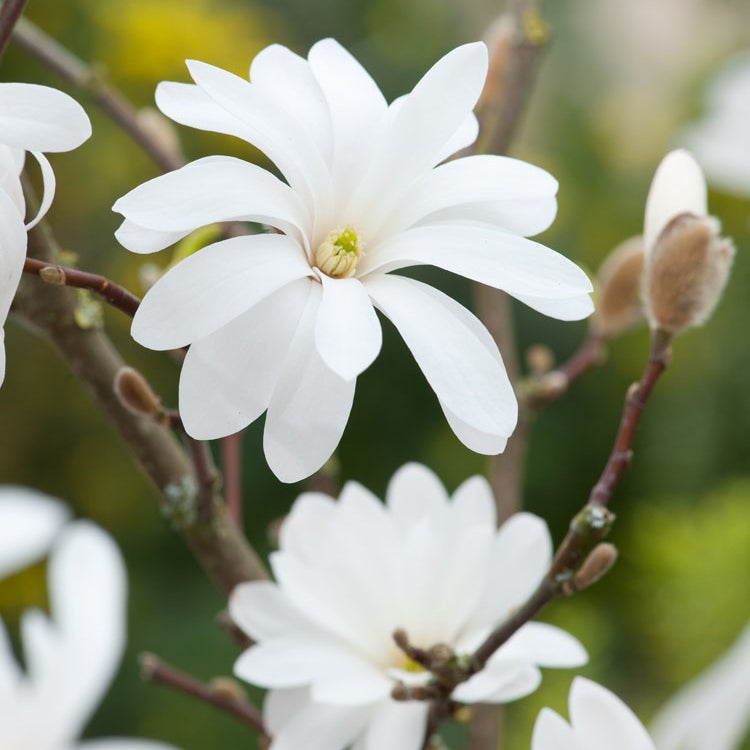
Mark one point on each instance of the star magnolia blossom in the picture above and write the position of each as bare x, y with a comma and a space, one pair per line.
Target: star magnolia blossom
713, 711
72, 656
721, 140
32, 118
598, 720
29, 523
349, 573
285, 322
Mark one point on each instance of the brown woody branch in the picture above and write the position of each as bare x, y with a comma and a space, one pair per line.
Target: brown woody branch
10, 12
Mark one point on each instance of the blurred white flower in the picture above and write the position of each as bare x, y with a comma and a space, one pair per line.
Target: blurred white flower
29, 523
71, 656
721, 139
349, 573
285, 322
713, 711
598, 720
32, 118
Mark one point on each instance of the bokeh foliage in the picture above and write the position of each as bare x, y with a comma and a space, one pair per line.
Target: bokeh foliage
600, 123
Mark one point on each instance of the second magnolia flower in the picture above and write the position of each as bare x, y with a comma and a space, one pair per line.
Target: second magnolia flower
285, 322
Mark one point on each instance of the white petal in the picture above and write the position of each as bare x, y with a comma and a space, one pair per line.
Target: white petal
309, 407
490, 256
545, 645
678, 187
474, 504
474, 179
48, 190
321, 727
466, 134
415, 493
29, 523
397, 726
486, 443
12, 252
567, 308
213, 286
499, 683
280, 706
351, 684
141, 240
123, 743
280, 136
10, 674
228, 377
262, 611
347, 331
312, 514
217, 188
415, 138
552, 732
287, 79
468, 377
600, 719
39, 118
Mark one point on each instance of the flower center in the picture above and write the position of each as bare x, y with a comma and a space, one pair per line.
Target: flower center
338, 254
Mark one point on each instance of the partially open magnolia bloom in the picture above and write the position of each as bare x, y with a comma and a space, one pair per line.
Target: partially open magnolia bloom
713, 711
32, 118
285, 322
29, 523
721, 139
350, 572
686, 261
71, 656
598, 720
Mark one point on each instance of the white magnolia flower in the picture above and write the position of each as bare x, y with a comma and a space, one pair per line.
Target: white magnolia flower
349, 573
29, 523
32, 118
285, 322
71, 656
721, 139
713, 711
598, 720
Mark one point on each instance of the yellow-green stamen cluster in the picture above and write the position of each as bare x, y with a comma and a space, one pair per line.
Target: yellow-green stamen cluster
338, 254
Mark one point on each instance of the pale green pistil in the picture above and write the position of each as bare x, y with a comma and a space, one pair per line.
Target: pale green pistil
338, 254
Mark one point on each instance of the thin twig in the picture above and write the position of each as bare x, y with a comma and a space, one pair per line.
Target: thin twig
230, 627
114, 294
206, 476
10, 12
231, 468
154, 670
71, 68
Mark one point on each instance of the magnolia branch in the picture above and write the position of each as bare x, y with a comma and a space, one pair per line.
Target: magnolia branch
154, 670
10, 13
56, 275
72, 69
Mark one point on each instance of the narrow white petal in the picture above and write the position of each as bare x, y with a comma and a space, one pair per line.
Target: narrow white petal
309, 407
415, 493
474, 504
214, 189
415, 138
546, 646
490, 256
280, 706
262, 611
466, 134
10, 673
228, 377
215, 285
347, 332
280, 136
48, 189
142, 241
123, 743
352, 683
479, 441
499, 683
40, 118
567, 308
321, 727
473, 179
12, 252
552, 732
287, 79
600, 719
397, 726
678, 187
467, 374
29, 523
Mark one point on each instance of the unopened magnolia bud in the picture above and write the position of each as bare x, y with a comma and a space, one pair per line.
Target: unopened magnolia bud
499, 39
53, 275
599, 561
162, 131
618, 291
685, 273
135, 394
228, 688
539, 359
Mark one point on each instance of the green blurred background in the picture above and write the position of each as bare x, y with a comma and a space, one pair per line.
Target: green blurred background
617, 84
